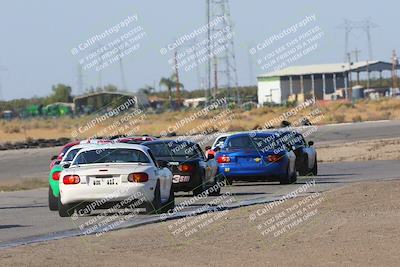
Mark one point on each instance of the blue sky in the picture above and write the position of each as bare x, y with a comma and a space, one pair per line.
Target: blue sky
37, 36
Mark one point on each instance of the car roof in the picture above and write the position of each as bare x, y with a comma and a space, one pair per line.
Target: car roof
223, 135
73, 143
255, 134
86, 145
115, 146
168, 141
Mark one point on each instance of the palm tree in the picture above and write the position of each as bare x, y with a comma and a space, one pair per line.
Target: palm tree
147, 89
170, 83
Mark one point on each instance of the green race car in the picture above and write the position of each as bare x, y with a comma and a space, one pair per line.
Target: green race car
54, 176
54, 190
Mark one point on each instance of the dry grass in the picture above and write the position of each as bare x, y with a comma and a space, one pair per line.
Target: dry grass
154, 124
25, 184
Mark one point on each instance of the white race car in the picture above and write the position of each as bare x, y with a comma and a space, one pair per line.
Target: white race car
114, 176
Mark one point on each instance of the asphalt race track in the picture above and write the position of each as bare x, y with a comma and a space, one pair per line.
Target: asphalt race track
25, 217
34, 163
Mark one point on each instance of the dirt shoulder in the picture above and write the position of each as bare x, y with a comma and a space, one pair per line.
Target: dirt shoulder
356, 225
378, 149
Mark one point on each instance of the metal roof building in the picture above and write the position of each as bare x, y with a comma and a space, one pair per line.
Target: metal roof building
313, 80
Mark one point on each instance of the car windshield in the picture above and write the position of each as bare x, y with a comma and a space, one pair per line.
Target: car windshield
173, 149
220, 141
115, 155
71, 154
257, 142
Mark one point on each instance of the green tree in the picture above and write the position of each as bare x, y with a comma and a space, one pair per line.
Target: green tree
147, 89
170, 83
110, 88
61, 93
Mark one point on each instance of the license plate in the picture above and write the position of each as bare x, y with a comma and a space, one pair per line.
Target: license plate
103, 181
180, 178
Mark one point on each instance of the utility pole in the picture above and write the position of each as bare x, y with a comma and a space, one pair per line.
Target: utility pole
350, 90
2, 69
208, 71
80, 80
356, 52
121, 69
251, 64
178, 95
395, 64
215, 78
219, 14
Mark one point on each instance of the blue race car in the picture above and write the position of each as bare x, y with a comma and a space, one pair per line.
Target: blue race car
256, 156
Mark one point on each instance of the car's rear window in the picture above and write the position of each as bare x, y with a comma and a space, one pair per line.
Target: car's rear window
174, 149
116, 155
257, 142
71, 154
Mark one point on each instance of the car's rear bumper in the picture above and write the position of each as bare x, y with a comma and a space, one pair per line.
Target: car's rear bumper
102, 194
194, 181
268, 171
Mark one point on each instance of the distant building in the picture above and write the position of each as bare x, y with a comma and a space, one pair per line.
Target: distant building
97, 101
195, 102
321, 81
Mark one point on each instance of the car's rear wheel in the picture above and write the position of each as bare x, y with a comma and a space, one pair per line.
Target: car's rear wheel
229, 181
200, 188
294, 176
303, 170
53, 205
213, 192
170, 204
287, 179
315, 168
64, 210
154, 206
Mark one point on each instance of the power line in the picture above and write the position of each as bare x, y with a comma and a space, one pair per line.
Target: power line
123, 81
224, 61
365, 25
80, 80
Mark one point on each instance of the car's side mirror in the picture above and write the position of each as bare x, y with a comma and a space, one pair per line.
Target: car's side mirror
216, 149
310, 143
53, 157
162, 163
57, 162
66, 165
210, 156
207, 148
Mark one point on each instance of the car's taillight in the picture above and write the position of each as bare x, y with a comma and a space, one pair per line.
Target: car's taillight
274, 158
223, 159
71, 179
138, 177
56, 176
185, 168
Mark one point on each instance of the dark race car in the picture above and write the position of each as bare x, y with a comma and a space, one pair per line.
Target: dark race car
306, 155
136, 140
191, 170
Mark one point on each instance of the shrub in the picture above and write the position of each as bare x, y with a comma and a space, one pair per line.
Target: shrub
339, 118
356, 118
